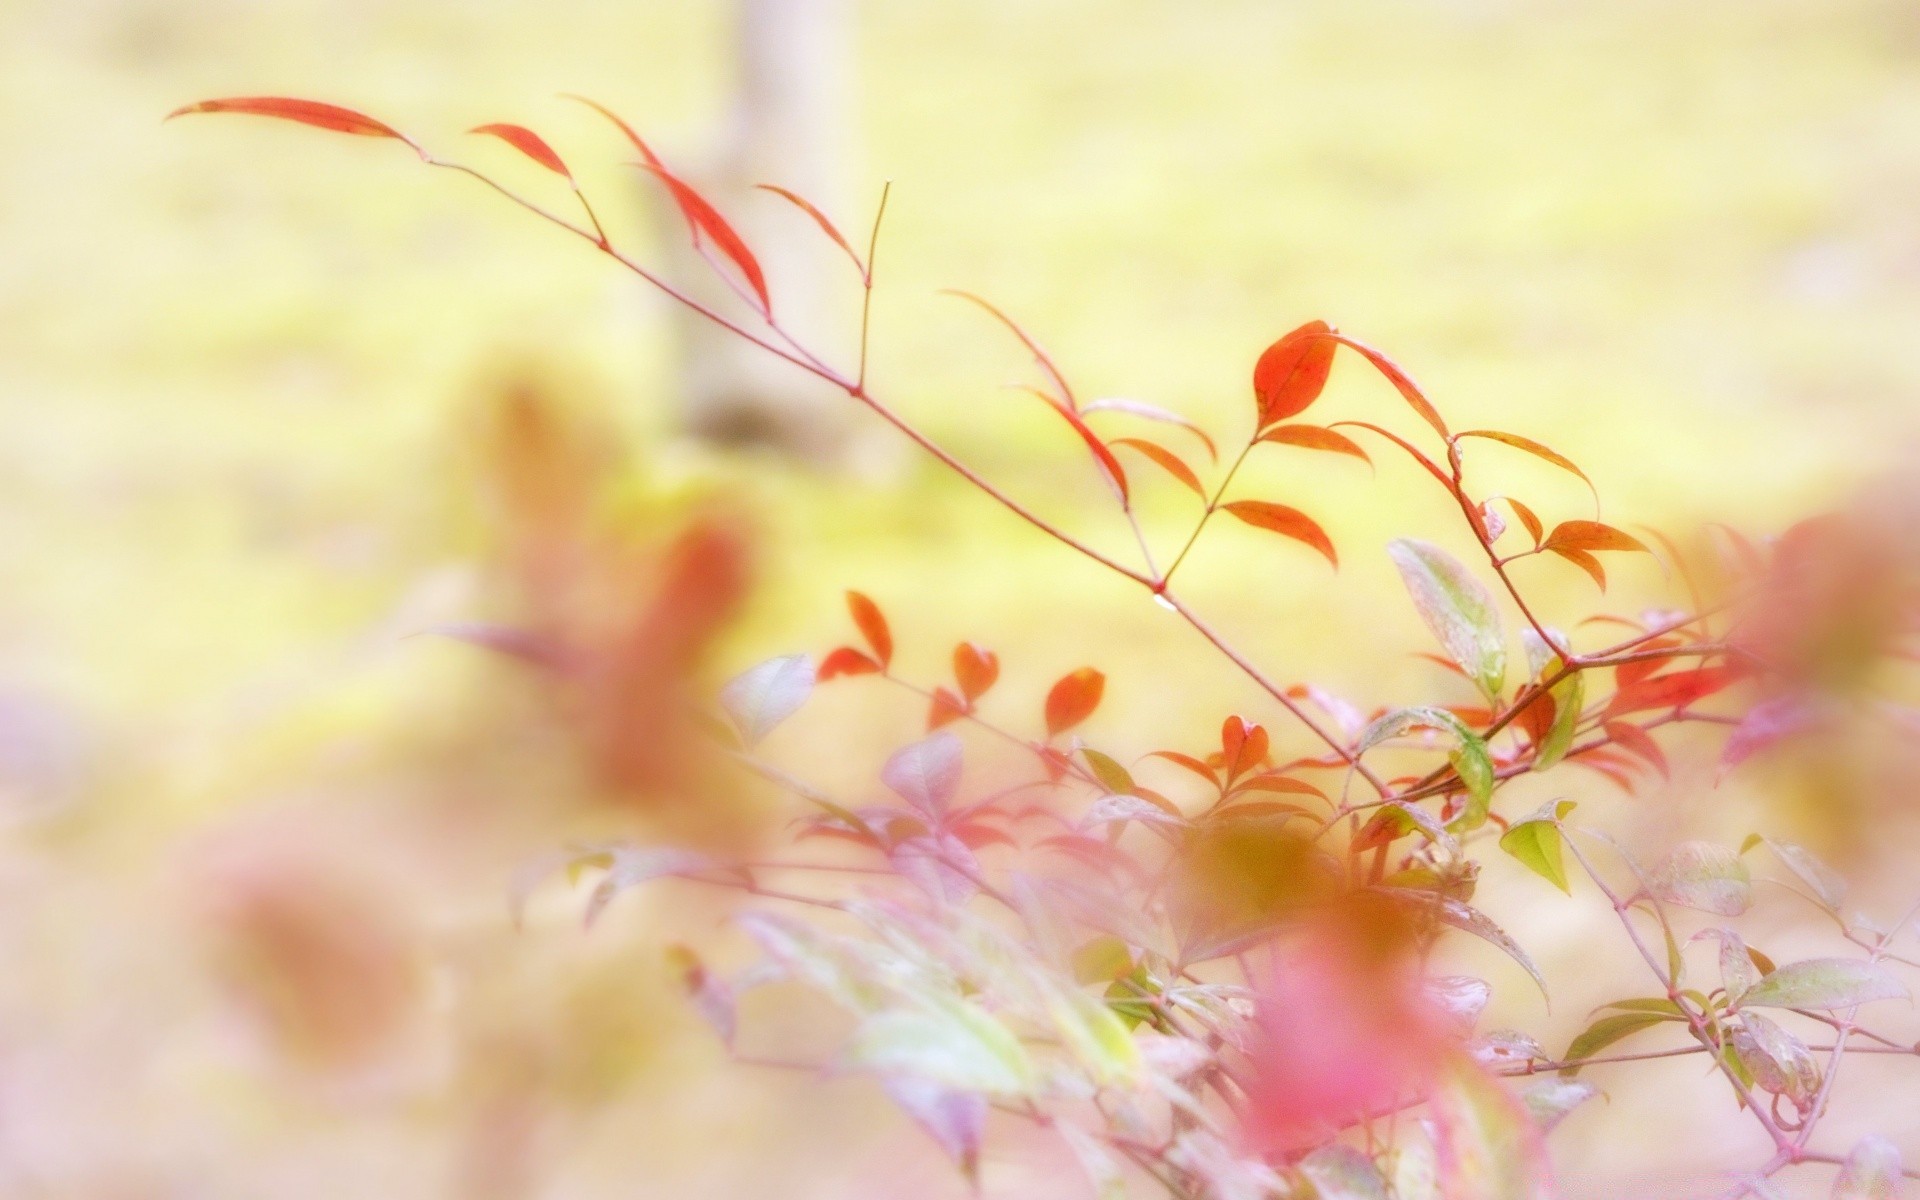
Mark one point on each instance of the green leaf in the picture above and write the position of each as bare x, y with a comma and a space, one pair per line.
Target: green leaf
1489, 1147
1704, 876
947, 1041
1102, 960
1569, 696
1457, 608
1606, 1031
1096, 1037
1549, 1100
1469, 757
1112, 776
1824, 983
1536, 842
1340, 1172
1871, 1172
761, 697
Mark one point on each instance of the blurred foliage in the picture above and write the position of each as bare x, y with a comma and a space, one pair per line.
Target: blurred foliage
247, 372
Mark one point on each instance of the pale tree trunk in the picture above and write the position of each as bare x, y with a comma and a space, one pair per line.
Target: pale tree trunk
791, 125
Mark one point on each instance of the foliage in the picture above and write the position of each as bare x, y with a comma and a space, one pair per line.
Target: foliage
1227, 989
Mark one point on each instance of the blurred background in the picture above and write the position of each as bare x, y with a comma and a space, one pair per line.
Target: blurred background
273, 402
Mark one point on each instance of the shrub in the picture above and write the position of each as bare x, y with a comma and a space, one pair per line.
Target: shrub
1209, 966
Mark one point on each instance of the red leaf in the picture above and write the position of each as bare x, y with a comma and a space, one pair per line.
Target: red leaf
1632, 672
806, 206
1274, 782
1073, 699
1190, 763
1537, 717
1631, 737
846, 661
1586, 562
1534, 528
1288, 522
529, 143
1167, 459
1409, 447
1537, 450
1316, 437
1441, 661
1672, 691
705, 219
646, 151
1590, 536
1243, 746
872, 624
1040, 356
975, 669
1409, 391
945, 708
305, 112
1153, 413
1291, 373
1103, 457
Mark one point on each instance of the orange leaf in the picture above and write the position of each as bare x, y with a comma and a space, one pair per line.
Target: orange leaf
946, 707
1110, 469
1534, 528
806, 206
1188, 762
846, 661
1631, 737
1153, 412
872, 624
1040, 356
975, 669
1073, 699
1590, 536
529, 143
1409, 391
1586, 562
1243, 745
1537, 717
1315, 437
646, 151
1537, 450
705, 219
1291, 373
1288, 522
1167, 459
1275, 782
305, 112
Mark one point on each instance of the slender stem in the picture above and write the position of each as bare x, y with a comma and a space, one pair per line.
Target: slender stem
1213, 503
866, 286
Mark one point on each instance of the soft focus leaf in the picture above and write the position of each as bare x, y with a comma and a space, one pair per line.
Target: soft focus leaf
1489, 1147
1704, 876
1608, 1030
872, 624
1101, 1165
1287, 522
761, 697
305, 112
1469, 920
1316, 437
956, 1119
1676, 690
707, 222
925, 774
1825, 983
1167, 460
527, 142
1073, 699
1569, 697
1112, 776
711, 998
846, 661
1826, 884
1461, 997
1291, 373
1872, 1171
1040, 356
646, 152
633, 866
1549, 1100
1765, 725
1589, 536
1535, 840
944, 1041
1153, 413
1340, 1172
1457, 608
974, 669
1779, 1062
1631, 737
819, 218
1534, 448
